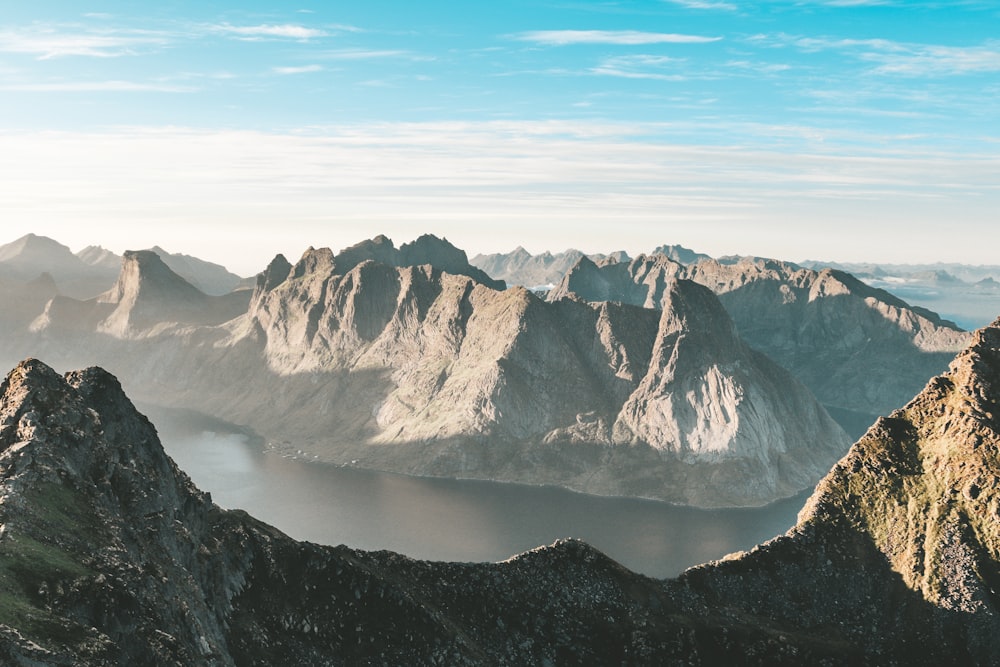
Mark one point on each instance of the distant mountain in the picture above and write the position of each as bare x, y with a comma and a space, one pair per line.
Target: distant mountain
959, 292
210, 278
486, 381
109, 555
30, 256
146, 295
415, 369
856, 347
426, 250
95, 255
680, 254
519, 267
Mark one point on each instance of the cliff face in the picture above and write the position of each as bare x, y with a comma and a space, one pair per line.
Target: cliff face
448, 376
856, 347
415, 369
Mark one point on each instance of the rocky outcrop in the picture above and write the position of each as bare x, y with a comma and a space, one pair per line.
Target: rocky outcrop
856, 347
896, 555
709, 398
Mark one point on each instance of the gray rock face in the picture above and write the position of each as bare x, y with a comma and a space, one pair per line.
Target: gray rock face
425, 250
483, 383
519, 267
856, 347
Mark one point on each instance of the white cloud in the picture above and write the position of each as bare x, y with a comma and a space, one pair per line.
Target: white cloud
640, 67
304, 69
901, 58
364, 54
559, 184
56, 41
286, 31
96, 87
623, 37
705, 4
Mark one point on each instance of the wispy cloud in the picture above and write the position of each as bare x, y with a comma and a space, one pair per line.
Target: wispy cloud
589, 178
366, 54
640, 67
283, 31
303, 69
97, 87
704, 4
622, 37
904, 59
60, 41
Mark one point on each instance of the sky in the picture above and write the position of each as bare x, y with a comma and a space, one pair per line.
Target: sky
842, 130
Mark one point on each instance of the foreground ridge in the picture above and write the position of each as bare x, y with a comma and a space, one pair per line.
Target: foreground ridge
109, 555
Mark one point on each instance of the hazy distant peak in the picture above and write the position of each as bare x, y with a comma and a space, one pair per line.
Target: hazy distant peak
32, 246
95, 255
680, 254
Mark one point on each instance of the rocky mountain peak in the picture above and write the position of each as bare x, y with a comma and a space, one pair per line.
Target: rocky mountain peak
32, 247
920, 482
144, 273
276, 273
694, 310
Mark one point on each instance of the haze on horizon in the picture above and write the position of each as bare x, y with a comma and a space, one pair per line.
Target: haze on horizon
808, 129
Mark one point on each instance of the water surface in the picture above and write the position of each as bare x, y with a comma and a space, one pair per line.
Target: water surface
458, 520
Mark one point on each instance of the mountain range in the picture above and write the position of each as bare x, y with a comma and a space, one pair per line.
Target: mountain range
647, 378
109, 555
93, 270
861, 350
378, 357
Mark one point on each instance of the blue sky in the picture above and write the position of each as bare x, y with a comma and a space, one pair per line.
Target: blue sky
833, 129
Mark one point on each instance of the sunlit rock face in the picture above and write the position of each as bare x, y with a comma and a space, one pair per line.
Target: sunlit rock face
855, 347
599, 397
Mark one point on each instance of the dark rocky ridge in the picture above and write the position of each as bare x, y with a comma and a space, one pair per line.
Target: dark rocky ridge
108, 555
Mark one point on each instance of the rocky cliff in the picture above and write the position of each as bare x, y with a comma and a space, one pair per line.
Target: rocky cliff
418, 370
856, 347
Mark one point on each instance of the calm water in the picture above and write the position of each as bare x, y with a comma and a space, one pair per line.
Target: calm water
458, 520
